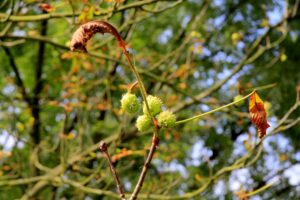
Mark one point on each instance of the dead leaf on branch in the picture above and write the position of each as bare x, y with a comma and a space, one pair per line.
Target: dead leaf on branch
87, 30
258, 114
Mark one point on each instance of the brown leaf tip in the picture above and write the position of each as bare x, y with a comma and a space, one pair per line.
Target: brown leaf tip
87, 30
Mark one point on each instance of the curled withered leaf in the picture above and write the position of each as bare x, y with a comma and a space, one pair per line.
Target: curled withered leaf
258, 114
87, 30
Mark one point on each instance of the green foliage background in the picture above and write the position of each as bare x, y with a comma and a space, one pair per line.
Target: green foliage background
184, 50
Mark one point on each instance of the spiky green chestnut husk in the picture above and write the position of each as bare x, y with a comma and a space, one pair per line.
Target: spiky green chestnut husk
155, 105
238, 97
143, 123
130, 103
166, 119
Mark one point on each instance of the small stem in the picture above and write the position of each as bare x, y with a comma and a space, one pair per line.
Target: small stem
103, 148
132, 86
146, 166
139, 80
261, 189
263, 87
215, 110
142, 89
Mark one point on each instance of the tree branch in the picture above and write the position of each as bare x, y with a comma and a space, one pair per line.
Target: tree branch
103, 148
146, 166
35, 132
245, 60
19, 81
17, 18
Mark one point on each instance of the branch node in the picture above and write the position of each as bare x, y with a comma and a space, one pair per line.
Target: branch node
103, 147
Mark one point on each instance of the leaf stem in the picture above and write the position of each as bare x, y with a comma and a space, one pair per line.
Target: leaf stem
132, 87
263, 87
215, 110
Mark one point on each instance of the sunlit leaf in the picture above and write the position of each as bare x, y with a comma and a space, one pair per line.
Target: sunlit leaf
264, 22
236, 37
87, 14
283, 57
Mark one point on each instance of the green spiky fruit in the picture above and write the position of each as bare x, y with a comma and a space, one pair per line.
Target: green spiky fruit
155, 105
238, 97
143, 123
166, 119
130, 103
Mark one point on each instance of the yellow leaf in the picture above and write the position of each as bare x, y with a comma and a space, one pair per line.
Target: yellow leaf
198, 177
236, 37
87, 14
20, 126
93, 154
71, 136
283, 57
264, 23
195, 34
67, 55
283, 157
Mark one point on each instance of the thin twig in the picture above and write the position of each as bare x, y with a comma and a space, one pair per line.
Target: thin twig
139, 80
252, 54
132, 86
103, 149
215, 110
26, 18
84, 188
140, 182
19, 80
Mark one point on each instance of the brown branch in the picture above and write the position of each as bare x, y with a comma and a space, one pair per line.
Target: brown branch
140, 182
103, 149
35, 132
